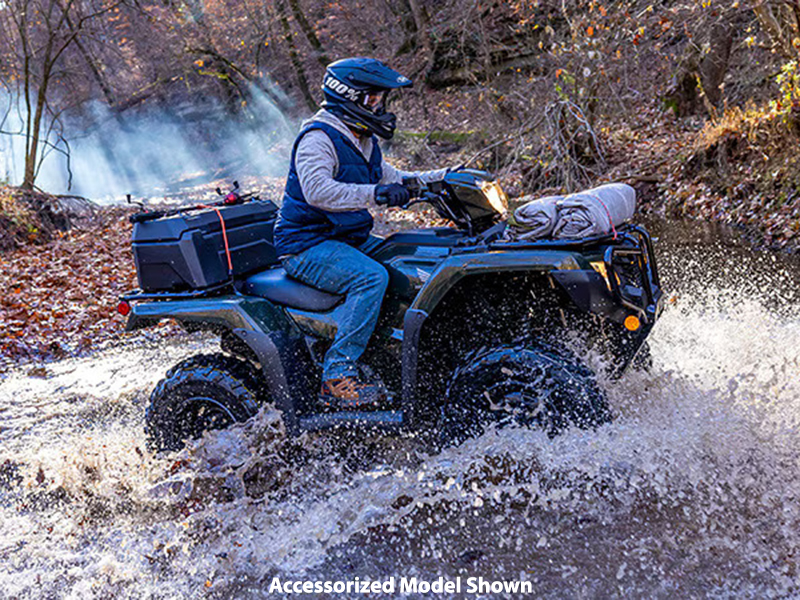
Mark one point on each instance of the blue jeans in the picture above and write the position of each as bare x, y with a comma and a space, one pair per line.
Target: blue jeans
341, 269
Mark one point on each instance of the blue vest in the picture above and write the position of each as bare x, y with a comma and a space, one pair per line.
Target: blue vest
300, 225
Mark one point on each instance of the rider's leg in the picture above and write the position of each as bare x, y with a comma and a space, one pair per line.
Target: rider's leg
341, 269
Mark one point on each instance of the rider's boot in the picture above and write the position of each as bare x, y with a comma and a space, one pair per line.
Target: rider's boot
348, 393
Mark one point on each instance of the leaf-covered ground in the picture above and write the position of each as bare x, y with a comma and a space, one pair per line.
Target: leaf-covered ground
742, 171
60, 297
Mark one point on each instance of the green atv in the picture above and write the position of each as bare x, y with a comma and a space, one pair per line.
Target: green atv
474, 329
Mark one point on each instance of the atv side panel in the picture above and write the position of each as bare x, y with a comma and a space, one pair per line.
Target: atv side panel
453, 269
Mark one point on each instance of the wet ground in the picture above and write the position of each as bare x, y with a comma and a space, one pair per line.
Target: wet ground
691, 492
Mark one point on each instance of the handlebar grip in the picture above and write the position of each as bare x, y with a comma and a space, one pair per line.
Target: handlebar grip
146, 216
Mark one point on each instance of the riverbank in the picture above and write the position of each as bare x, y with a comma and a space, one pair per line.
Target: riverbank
61, 295
742, 171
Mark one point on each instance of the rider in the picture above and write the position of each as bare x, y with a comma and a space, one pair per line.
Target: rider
337, 172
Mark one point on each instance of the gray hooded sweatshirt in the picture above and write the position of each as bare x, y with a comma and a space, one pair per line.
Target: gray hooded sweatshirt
316, 163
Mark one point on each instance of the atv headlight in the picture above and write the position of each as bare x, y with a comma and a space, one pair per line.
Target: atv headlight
495, 195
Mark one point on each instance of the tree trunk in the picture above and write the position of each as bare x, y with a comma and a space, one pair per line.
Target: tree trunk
421, 22
715, 64
97, 73
34, 130
401, 9
33, 135
309, 32
22, 28
297, 61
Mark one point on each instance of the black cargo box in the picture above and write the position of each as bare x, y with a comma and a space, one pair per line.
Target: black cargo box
187, 252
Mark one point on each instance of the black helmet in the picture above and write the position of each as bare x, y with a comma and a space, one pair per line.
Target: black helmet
347, 85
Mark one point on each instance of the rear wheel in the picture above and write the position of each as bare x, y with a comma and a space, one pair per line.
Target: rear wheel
202, 393
533, 385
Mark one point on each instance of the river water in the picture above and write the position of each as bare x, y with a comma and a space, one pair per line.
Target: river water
692, 491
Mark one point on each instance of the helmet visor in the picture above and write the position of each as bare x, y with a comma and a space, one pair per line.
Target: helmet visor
375, 101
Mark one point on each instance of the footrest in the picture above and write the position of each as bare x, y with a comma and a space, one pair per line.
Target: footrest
380, 419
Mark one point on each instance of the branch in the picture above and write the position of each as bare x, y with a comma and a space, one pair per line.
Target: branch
216, 55
525, 128
78, 26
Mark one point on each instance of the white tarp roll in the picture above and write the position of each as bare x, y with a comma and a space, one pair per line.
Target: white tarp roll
535, 219
597, 211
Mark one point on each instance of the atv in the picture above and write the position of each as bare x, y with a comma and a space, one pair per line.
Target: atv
474, 329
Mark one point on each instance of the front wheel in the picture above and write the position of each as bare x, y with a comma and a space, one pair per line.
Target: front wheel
534, 385
202, 393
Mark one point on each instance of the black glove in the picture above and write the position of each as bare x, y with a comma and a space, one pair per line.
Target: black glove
393, 194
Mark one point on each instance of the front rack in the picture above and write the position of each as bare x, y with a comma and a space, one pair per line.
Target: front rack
641, 251
571, 244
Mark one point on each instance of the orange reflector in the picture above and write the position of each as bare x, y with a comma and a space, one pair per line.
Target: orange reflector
632, 323
124, 308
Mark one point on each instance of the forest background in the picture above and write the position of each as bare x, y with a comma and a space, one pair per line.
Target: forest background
696, 103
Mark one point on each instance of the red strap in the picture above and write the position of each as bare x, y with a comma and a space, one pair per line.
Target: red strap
224, 237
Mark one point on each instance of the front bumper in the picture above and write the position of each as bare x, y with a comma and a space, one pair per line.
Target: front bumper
629, 285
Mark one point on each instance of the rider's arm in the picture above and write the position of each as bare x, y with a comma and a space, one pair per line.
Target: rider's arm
316, 164
393, 175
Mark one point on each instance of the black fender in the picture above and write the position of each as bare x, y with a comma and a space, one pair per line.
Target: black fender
442, 280
412, 328
263, 327
286, 366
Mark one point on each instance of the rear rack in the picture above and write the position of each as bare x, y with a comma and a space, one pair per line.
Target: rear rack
187, 295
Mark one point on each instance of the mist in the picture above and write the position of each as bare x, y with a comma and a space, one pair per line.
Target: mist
154, 149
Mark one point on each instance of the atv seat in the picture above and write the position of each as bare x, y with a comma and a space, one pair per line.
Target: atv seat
276, 285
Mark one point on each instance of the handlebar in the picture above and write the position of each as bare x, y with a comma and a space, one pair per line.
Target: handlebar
418, 190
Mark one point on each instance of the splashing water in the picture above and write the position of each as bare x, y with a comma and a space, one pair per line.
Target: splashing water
691, 491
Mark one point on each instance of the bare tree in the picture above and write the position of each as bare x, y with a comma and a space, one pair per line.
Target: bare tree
43, 31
